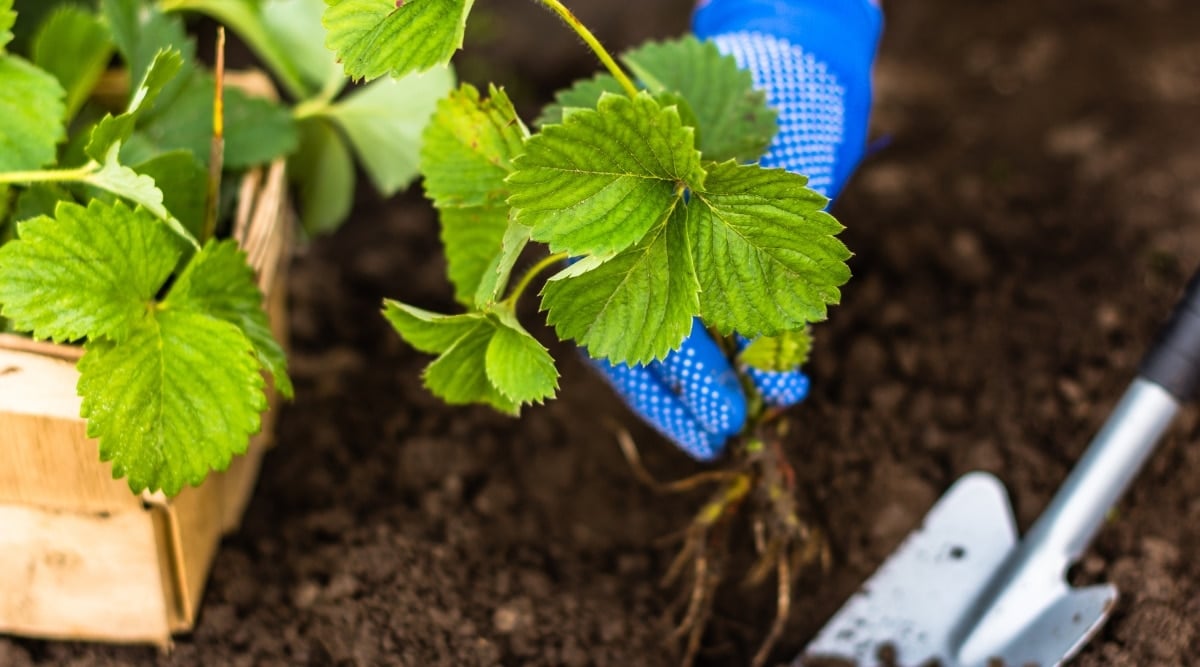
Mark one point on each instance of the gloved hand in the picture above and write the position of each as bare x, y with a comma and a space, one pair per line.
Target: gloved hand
812, 58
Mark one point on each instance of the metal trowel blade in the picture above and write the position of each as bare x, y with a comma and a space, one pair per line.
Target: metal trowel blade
907, 613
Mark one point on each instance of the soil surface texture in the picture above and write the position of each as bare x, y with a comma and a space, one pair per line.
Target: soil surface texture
1026, 220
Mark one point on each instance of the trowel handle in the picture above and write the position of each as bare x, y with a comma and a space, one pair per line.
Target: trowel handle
1173, 363
1169, 375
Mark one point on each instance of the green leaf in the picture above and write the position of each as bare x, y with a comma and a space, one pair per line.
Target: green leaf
583, 94
733, 119
459, 376
91, 272
764, 250
600, 181
179, 398
257, 130
484, 358
219, 283
635, 307
384, 121
124, 182
115, 130
517, 365
183, 181
75, 46
469, 146
8, 18
295, 26
374, 37
495, 277
467, 152
281, 32
140, 32
322, 172
32, 109
473, 238
429, 332
785, 352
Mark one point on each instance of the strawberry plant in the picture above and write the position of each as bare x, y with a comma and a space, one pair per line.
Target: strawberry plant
642, 185
114, 214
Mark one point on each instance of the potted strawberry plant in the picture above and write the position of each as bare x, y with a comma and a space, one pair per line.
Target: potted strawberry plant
144, 237
641, 192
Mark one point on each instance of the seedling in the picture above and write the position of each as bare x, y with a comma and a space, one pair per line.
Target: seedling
651, 189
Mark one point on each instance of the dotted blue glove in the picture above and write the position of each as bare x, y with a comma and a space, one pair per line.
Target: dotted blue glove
812, 58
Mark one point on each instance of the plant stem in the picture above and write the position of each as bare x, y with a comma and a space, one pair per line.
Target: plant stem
590, 39
216, 149
48, 175
316, 106
532, 273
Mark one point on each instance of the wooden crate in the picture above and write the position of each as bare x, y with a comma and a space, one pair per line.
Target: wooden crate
80, 556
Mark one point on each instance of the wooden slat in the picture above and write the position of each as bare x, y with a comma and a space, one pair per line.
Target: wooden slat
71, 576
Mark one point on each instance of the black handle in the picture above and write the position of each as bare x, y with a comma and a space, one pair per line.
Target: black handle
1173, 362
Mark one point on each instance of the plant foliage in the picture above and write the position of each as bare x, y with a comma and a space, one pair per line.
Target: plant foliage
651, 189
108, 248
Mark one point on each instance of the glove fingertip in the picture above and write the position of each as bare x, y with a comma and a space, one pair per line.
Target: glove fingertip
780, 389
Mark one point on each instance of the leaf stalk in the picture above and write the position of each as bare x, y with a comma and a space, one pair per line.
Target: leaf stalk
48, 175
590, 39
511, 300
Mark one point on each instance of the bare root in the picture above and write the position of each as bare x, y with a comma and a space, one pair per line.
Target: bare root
762, 481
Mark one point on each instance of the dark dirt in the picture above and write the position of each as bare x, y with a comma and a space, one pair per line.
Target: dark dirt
1018, 240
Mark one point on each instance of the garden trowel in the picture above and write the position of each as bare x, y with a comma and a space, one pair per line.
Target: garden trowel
963, 591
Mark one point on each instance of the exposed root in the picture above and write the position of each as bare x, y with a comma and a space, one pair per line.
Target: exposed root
762, 480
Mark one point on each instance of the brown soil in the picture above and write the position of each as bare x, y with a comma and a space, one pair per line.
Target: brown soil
1018, 240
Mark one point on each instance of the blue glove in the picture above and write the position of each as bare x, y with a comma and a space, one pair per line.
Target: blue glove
813, 59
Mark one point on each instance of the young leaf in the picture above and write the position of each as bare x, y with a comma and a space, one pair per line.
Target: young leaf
115, 130
323, 174
600, 181
468, 150
459, 375
8, 18
517, 365
635, 307
92, 272
384, 121
764, 250
785, 352
484, 358
75, 46
177, 399
219, 283
374, 37
432, 333
32, 109
733, 119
